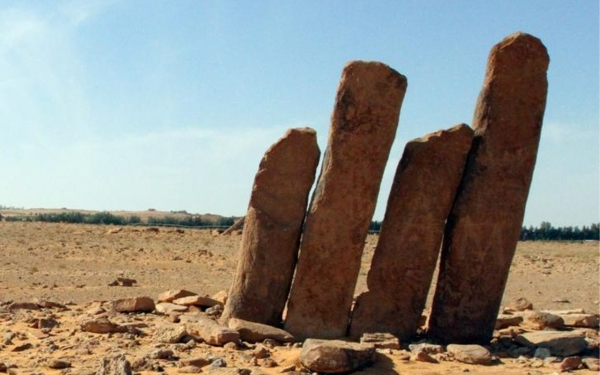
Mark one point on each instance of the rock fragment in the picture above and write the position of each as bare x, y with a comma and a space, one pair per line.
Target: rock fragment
256, 332
170, 333
570, 363
195, 361
335, 356
208, 330
579, 320
539, 320
102, 325
114, 365
363, 127
381, 340
519, 304
473, 354
59, 364
560, 343
136, 304
169, 308
592, 363
196, 301
171, 295
508, 320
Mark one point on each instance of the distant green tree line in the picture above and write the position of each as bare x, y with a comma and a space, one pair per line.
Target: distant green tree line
108, 218
545, 232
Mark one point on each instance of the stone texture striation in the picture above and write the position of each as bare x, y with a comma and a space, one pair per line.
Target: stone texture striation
363, 128
483, 228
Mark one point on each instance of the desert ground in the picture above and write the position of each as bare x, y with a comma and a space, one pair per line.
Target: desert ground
73, 265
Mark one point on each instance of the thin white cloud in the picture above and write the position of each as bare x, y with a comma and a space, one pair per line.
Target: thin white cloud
557, 132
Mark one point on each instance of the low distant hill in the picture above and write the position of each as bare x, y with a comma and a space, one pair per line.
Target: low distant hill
147, 216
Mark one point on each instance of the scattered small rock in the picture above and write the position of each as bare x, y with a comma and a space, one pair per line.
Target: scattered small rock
59, 364
520, 304
23, 306
189, 370
260, 352
540, 320
137, 304
160, 354
473, 354
168, 308
101, 325
170, 333
127, 282
171, 295
195, 361
570, 363
560, 343
426, 347
196, 301
257, 332
508, 320
592, 363
381, 340
209, 330
335, 356
114, 365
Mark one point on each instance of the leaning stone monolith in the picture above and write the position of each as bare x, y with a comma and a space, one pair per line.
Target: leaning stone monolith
485, 222
409, 243
272, 229
363, 128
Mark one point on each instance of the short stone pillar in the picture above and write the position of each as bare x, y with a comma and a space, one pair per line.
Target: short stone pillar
363, 128
485, 222
409, 242
272, 229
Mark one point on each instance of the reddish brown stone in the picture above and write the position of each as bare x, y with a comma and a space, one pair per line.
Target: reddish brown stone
272, 229
363, 127
485, 222
409, 243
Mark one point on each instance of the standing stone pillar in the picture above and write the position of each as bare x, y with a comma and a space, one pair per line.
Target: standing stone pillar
272, 229
363, 128
485, 222
409, 243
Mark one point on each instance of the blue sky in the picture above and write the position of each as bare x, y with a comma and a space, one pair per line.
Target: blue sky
170, 105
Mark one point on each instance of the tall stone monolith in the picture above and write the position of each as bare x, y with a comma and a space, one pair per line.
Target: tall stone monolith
272, 229
413, 226
363, 127
485, 222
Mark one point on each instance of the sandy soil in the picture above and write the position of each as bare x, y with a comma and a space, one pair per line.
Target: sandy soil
73, 264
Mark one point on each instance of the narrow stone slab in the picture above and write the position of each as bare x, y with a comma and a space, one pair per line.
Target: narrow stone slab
409, 243
363, 128
136, 304
256, 332
168, 308
208, 330
196, 301
560, 343
485, 222
171, 295
272, 229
